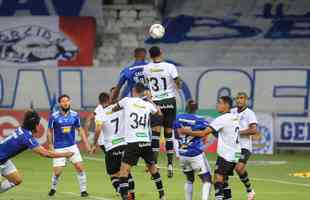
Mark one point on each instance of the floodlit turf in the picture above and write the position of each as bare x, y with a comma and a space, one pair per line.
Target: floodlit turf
271, 182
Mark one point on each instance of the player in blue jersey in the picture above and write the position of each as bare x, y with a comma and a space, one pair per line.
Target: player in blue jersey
61, 137
17, 142
132, 74
191, 151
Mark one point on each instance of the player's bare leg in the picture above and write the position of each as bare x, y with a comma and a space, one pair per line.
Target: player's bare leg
13, 179
82, 179
157, 179
169, 150
55, 178
244, 177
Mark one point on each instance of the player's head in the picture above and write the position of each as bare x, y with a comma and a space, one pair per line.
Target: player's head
242, 100
64, 102
104, 99
224, 104
31, 120
155, 52
191, 106
138, 90
140, 53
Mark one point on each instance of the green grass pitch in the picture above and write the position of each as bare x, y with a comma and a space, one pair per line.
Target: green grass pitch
271, 182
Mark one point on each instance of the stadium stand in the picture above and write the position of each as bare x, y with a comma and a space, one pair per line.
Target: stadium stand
218, 32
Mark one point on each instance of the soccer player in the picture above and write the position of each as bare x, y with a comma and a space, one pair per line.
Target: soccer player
228, 147
61, 137
248, 127
163, 81
109, 135
191, 151
20, 140
137, 135
132, 74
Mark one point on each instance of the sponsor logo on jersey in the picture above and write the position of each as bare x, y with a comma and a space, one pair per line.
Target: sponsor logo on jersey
156, 70
32, 43
109, 113
139, 106
66, 129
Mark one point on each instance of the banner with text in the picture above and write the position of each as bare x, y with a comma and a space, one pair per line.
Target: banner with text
47, 41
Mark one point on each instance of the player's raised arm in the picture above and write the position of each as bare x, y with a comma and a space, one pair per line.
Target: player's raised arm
51, 154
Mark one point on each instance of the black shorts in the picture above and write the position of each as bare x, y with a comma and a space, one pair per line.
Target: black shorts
245, 156
113, 159
133, 151
224, 167
169, 109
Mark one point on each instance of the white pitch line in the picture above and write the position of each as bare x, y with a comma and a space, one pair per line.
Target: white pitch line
253, 178
90, 197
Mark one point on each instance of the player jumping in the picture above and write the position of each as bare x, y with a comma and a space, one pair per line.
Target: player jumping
61, 137
191, 151
163, 80
132, 74
228, 147
137, 135
20, 140
248, 127
109, 135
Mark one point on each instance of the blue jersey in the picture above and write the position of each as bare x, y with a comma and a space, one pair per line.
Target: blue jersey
20, 140
188, 145
64, 128
132, 74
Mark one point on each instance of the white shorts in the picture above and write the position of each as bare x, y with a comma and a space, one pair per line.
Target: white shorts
76, 158
198, 164
7, 168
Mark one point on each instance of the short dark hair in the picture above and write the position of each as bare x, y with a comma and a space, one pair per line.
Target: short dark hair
139, 50
154, 51
103, 97
139, 88
228, 100
63, 96
31, 120
191, 106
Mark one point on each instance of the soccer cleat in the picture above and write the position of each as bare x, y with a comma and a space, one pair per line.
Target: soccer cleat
131, 196
170, 171
52, 192
251, 195
84, 194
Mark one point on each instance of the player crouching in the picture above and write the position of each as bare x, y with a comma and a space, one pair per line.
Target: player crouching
191, 151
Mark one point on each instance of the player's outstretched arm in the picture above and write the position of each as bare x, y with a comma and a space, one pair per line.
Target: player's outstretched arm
50, 138
51, 154
189, 131
252, 130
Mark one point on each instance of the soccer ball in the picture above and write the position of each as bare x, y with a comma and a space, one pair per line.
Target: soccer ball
157, 31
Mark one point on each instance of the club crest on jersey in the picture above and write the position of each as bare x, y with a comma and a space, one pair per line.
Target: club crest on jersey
32, 43
139, 106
